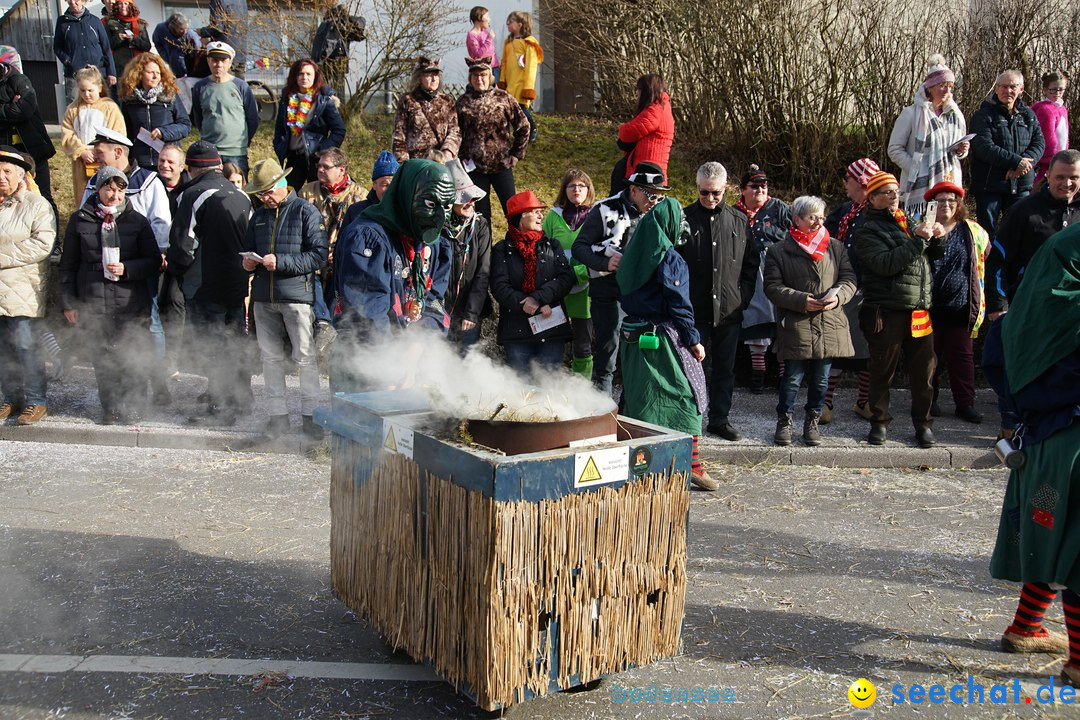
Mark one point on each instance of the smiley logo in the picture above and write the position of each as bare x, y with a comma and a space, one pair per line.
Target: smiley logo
862, 693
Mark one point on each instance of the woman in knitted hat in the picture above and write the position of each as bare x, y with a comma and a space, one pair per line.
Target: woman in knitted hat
660, 347
530, 278
927, 141
426, 124
959, 301
308, 122
109, 252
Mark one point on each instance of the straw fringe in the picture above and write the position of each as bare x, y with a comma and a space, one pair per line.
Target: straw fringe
483, 590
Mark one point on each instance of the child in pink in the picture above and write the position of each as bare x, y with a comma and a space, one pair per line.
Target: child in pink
1053, 118
480, 41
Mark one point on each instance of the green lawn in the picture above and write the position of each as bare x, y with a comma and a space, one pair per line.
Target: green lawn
565, 141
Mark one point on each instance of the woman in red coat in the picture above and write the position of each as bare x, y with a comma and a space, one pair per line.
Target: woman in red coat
649, 135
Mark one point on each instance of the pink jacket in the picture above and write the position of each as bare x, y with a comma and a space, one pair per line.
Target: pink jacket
482, 44
1054, 121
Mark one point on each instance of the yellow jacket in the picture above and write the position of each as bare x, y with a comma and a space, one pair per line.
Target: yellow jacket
521, 57
80, 122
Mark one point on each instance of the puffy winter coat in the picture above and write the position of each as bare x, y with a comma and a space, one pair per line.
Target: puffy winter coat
1002, 139
554, 279
652, 131
792, 276
895, 268
295, 233
167, 115
27, 236
323, 130
723, 263
20, 120
81, 41
83, 286
493, 129
422, 125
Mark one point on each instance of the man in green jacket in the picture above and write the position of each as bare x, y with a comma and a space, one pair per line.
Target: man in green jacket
896, 301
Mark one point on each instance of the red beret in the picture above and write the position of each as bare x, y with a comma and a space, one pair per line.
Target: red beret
941, 187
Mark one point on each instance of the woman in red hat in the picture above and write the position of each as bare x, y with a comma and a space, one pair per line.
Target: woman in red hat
530, 276
959, 302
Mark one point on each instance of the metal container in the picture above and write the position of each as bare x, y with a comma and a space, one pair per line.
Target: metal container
515, 438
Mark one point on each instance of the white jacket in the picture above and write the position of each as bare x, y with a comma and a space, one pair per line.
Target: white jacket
27, 236
902, 144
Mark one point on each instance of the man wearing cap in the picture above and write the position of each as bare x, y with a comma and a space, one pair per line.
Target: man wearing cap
21, 125
599, 246
1024, 229
204, 254
841, 224
723, 264
288, 237
148, 197
469, 236
224, 108
895, 317
389, 271
80, 40
27, 236
382, 174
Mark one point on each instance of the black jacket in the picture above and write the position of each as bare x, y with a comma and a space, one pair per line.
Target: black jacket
1023, 230
206, 240
323, 130
166, 115
19, 115
295, 233
896, 271
1001, 141
470, 270
554, 280
81, 41
83, 286
723, 263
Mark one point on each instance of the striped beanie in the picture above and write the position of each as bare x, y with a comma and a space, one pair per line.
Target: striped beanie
861, 170
879, 180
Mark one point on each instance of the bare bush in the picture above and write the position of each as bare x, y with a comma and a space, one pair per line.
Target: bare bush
802, 87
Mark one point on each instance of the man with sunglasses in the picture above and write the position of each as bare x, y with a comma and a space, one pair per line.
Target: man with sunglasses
599, 246
723, 265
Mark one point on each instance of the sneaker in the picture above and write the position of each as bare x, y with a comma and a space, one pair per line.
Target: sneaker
863, 410
826, 415
877, 434
703, 481
724, 430
7, 410
811, 435
968, 413
1039, 641
782, 436
31, 414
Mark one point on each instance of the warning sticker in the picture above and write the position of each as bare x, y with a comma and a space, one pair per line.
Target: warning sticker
598, 467
398, 439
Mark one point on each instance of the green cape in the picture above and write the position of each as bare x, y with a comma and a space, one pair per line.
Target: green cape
654, 236
397, 209
1042, 326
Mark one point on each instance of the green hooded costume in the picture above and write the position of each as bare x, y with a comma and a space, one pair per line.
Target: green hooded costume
655, 384
1039, 531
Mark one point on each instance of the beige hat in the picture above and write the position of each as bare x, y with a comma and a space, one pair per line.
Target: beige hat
464, 188
265, 174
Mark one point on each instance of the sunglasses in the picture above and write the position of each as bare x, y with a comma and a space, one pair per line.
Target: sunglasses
711, 193
758, 186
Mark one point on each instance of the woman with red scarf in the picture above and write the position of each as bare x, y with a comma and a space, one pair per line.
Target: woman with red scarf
127, 33
530, 276
809, 278
308, 122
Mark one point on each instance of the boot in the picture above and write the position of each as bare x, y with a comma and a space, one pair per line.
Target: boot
811, 436
877, 434
582, 366
826, 415
757, 382
783, 429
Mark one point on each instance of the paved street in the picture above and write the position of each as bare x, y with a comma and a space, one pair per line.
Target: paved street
139, 571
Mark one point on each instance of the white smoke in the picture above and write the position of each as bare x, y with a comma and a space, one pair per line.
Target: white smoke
476, 386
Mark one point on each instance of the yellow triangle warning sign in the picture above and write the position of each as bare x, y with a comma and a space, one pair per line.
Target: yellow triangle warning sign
590, 473
391, 443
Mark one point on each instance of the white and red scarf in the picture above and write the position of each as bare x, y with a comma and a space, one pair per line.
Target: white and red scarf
815, 244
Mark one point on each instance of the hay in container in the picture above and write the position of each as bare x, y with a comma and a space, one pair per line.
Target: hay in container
483, 590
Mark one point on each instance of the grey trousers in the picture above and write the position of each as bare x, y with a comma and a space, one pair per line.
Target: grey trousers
272, 322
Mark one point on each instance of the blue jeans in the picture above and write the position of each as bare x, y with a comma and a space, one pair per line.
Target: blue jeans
607, 317
322, 312
22, 366
990, 206
521, 354
817, 382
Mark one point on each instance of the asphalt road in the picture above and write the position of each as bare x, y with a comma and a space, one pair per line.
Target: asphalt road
128, 575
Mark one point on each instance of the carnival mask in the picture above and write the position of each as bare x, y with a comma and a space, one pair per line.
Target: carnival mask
432, 199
